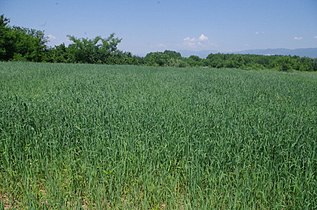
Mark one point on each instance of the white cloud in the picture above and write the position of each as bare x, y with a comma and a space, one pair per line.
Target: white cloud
202, 38
188, 39
196, 42
315, 37
298, 38
51, 37
258, 32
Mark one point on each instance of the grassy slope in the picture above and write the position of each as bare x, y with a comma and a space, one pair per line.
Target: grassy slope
98, 136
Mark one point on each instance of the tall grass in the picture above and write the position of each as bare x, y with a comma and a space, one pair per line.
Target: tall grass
127, 137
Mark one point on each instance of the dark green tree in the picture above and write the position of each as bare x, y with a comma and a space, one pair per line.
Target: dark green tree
17, 43
194, 60
166, 58
6, 39
96, 50
59, 54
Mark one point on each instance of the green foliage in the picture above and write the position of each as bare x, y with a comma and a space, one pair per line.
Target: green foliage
194, 60
29, 44
5, 43
97, 50
314, 64
77, 136
166, 58
282, 63
17, 43
59, 54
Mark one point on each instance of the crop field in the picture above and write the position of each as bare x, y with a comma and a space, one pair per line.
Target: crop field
76, 136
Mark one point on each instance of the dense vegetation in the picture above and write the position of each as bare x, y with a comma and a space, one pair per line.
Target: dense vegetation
18, 44
133, 137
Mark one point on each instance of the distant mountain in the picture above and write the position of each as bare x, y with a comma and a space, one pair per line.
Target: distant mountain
303, 52
201, 53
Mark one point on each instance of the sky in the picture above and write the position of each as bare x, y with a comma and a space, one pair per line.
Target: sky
181, 25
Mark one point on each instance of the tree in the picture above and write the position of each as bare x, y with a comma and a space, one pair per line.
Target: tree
315, 64
30, 44
194, 60
59, 54
6, 42
166, 58
17, 43
96, 50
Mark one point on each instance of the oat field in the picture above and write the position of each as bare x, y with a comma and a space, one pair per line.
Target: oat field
76, 136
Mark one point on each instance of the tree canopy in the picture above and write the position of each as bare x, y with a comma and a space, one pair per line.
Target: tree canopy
17, 43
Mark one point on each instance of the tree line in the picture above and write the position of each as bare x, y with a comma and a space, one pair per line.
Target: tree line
23, 44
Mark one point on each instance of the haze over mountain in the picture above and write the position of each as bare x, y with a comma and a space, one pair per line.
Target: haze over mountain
200, 53
302, 52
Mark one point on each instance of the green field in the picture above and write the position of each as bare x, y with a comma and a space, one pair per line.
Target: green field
131, 137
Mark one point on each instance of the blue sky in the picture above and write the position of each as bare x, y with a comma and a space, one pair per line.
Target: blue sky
156, 25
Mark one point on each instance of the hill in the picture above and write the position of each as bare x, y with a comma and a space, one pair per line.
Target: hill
302, 52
